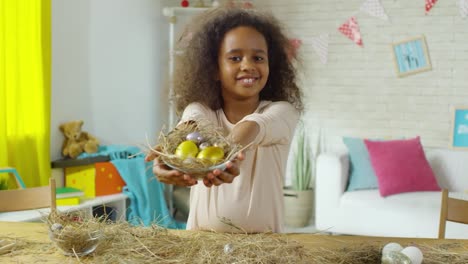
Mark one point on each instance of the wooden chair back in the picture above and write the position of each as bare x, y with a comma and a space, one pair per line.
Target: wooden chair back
452, 209
10, 170
29, 198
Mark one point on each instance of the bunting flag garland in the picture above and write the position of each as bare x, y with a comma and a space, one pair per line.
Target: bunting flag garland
429, 5
374, 8
463, 5
320, 45
295, 44
351, 29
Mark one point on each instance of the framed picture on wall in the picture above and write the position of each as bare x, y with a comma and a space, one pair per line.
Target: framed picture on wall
411, 56
459, 131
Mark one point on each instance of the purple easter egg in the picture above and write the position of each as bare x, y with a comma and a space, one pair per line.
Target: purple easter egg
195, 137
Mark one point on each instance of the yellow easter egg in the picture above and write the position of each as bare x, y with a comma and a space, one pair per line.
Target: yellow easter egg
186, 149
214, 154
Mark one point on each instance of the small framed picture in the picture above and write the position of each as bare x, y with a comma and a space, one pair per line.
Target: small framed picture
411, 56
459, 132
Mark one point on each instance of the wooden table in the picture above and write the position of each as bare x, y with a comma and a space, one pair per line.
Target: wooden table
38, 232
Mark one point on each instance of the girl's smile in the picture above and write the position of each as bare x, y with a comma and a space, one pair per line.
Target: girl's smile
243, 64
247, 80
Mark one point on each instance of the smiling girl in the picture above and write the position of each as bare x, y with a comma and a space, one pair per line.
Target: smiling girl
236, 72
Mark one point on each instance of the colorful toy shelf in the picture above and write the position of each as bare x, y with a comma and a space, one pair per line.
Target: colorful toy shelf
65, 163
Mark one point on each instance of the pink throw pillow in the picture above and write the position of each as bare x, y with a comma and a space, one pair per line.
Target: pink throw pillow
401, 166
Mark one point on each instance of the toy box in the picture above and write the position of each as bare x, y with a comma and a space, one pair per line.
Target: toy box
98, 179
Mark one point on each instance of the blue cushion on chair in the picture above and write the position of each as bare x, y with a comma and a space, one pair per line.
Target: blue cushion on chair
361, 172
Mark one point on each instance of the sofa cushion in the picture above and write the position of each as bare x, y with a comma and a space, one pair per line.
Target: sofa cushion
401, 166
361, 173
450, 167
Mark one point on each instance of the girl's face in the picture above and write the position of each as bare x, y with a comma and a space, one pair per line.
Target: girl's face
243, 64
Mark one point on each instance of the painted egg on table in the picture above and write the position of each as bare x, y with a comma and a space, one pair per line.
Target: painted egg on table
213, 154
414, 254
228, 248
391, 247
186, 149
395, 257
56, 226
195, 137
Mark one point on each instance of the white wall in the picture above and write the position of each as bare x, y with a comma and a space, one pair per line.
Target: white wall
109, 61
358, 93
71, 91
110, 58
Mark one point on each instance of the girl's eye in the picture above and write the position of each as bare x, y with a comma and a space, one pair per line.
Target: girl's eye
235, 58
258, 58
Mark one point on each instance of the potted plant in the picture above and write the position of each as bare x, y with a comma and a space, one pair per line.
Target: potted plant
3, 183
299, 197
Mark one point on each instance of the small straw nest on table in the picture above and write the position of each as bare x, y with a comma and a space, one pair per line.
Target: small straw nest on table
74, 233
198, 168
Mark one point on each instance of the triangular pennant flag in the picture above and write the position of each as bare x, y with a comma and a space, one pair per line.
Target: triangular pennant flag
294, 45
429, 5
320, 45
351, 29
463, 5
374, 8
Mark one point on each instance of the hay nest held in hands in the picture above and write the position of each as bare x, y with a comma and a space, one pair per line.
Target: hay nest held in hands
208, 135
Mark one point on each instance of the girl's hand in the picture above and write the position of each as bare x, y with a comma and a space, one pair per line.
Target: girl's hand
167, 175
218, 177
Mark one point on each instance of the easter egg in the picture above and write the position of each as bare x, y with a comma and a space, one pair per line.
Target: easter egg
391, 247
220, 144
186, 149
394, 257
204, 145
214, 154
228, 248
195, 137
56, 226
414, 254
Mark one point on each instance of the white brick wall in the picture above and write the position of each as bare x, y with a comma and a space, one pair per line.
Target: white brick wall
358, 92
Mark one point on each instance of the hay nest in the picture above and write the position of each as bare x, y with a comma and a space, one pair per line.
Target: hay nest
197, 167
371, 253
124, 243
7, 245
74, 233
129, 244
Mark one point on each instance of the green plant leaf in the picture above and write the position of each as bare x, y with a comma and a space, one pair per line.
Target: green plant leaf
3, 184
302, 160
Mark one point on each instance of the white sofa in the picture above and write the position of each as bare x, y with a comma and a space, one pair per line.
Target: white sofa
366, 213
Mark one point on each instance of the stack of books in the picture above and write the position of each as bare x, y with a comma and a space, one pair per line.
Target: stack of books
68, 196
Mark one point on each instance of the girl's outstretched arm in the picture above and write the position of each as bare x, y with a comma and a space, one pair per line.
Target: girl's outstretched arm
243, 133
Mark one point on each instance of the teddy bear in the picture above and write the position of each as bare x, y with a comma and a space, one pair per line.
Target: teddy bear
77, 141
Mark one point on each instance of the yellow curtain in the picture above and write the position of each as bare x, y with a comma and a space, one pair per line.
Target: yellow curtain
25, 88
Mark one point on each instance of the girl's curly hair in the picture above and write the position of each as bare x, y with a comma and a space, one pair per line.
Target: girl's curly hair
194, 77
